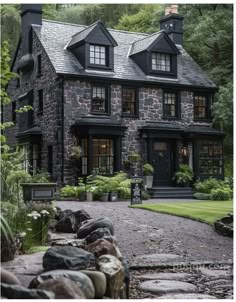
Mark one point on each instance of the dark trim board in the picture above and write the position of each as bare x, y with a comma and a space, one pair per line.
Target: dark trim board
146, 84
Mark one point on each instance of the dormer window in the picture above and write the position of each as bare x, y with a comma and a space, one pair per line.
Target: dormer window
97, 55
161, 62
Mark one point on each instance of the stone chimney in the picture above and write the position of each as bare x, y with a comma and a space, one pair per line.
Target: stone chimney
30, 14
172, 22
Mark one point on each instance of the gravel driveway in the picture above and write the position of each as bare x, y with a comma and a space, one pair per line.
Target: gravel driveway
142, 232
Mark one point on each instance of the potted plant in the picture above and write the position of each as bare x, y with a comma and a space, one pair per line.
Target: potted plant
184, 176
148, 172
89, 192
134, 158
104, 192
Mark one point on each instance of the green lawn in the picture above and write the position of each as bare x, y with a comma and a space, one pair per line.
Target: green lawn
205, 211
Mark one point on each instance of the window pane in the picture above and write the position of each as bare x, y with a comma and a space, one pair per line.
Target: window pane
99, 99
103, 156
169, 105
160, 62
97, 55
128, 101
200, 106
210, 158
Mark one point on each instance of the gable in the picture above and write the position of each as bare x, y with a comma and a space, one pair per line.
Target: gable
99, 36
163, 44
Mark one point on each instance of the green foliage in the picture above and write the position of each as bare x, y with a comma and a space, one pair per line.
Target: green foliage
40, 177
207, 185
134, 157
184, 175
148, 169
221, 194
75, 152
69, 191
145, 20
145, 195
201, 196
32, 220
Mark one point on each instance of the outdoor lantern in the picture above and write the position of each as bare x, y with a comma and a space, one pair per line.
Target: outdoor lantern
184, 151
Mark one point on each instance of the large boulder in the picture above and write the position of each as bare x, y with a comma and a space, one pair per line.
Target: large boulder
82, 281
114, 272
89, 226
66, 222
99, 282
13, 291
8, 277
97, 234
103, 247
81, 216
67, 257
63, 288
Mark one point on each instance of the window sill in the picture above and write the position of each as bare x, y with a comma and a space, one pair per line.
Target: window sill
170, 118
202, 120
129, 115
99, 67
99, 113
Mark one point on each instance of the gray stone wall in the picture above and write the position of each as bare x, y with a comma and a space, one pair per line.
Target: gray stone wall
52, 95
78, 104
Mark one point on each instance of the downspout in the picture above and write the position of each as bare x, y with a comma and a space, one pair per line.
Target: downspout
62, 131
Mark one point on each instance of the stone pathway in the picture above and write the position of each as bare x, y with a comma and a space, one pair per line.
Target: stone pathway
140, 232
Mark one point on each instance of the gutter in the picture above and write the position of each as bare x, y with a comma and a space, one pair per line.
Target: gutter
138, 82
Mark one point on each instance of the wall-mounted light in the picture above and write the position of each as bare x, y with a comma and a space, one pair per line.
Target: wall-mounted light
184, 151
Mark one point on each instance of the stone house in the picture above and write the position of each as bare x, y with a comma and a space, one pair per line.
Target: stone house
111, 92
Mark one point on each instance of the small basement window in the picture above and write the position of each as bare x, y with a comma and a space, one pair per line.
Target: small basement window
97, 55
161, 62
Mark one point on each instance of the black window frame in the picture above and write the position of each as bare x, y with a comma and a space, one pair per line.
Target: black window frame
166, 74
209, 99
107, 99
177, 105
105, 55
136, 96
210, 158
39, 65
161, 54
40, 101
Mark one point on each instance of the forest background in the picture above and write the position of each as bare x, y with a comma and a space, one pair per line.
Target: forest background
208, 38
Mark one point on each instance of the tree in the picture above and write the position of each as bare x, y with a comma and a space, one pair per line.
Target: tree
145, 20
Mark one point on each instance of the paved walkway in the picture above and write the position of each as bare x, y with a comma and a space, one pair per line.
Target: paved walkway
142, 232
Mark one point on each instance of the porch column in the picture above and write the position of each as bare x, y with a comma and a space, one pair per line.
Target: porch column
90, 154
177, 147
117, 153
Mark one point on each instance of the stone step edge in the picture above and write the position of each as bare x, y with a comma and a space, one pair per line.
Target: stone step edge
194, 264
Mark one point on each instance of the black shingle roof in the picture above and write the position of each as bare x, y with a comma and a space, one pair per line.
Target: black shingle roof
55, 37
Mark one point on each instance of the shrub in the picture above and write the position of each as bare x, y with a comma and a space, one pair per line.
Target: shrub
201, 196
207, 185
69, 191
31, 220
40, 177
148, 169
184, 175
145, 195
221, 194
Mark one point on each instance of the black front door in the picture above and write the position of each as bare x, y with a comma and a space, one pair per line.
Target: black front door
162, 163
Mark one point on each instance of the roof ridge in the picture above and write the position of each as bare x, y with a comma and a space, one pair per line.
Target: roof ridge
148, 36
86, 26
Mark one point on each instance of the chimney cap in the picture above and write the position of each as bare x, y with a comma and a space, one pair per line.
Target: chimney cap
173, 9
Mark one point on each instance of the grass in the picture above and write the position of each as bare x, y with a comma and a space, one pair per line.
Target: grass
204, 211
